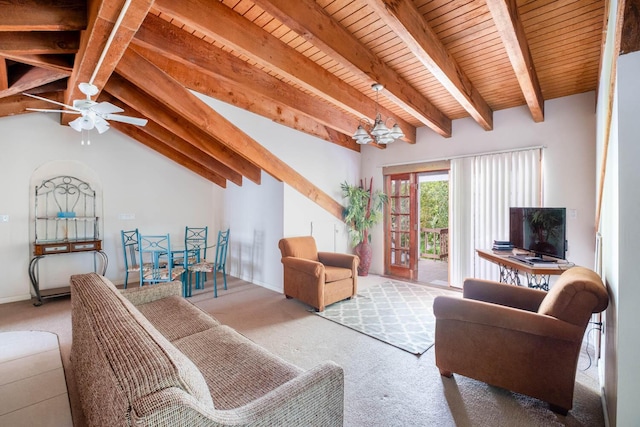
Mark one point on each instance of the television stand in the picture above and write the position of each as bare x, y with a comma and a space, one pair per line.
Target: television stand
537, 275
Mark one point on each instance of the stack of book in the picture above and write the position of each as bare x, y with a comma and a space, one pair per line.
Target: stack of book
502, 246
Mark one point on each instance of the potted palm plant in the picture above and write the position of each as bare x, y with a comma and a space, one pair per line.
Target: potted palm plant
363, 211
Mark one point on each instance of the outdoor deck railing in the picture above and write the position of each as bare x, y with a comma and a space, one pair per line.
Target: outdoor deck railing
436, 243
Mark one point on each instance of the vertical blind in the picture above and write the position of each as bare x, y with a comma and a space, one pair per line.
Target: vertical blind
482, 190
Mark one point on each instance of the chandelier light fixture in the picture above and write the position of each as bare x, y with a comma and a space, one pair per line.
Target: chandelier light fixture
377, 131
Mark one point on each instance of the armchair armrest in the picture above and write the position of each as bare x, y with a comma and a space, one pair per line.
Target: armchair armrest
505, 318
146, 294
339, 259
307, 266
503, 294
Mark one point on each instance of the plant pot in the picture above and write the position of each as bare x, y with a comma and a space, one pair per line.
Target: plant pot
363, 250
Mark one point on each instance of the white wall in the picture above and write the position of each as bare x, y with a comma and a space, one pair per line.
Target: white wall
164, 196
621, 231
264, 214
568, 133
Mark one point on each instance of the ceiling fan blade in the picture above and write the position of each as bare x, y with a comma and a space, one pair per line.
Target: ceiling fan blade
51, 101
126, 119
44, 110
106, 108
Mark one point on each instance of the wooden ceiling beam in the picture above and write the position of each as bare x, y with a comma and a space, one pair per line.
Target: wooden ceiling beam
309, 19
507, 20
18, 104
102, 20
4, 74
235, 93
277, 99
38, 42
177, 144
24, 77
34, 15
168, 91
180, 126
270, 52
141, 136
57, 63
406, 21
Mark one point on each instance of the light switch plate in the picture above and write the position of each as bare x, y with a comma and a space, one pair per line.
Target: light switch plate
127, 216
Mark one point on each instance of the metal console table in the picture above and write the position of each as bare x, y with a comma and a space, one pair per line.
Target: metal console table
510, 270
65, 222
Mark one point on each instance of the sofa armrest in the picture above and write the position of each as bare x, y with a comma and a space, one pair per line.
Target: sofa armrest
312, 268
504, 318
503, 294
339, 260
315, 397
145, 294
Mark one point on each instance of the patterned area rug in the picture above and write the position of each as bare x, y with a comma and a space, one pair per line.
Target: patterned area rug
400, 314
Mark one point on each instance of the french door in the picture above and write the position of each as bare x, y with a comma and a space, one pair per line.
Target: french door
401, 248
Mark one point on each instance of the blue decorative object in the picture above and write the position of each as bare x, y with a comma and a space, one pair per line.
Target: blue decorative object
66, 214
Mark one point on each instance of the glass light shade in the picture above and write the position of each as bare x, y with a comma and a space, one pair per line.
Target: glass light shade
380, 128
396, 132
360, 133
81, 123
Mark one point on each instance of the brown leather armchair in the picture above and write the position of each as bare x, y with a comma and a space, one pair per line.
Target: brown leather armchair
520, 339
317, 278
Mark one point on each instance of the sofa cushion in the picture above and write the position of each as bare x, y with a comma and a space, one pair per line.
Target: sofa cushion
332, 274
175, 318
237, 370
142, 360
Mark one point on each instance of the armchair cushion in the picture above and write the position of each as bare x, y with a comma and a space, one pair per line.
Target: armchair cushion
575, 296
300, 247
333, 274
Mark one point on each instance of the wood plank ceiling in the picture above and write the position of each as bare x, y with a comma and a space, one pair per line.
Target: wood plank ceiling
307, 64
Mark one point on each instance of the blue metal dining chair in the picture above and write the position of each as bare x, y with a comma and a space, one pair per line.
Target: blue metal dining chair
152, 248
130, 249
195, 243
219, 264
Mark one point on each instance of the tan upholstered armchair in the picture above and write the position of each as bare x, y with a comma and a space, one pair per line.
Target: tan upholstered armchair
521, 339
317, 278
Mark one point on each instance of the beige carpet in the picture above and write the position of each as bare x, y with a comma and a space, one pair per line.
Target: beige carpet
384, 386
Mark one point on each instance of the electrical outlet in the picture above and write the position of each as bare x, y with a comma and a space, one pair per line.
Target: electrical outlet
4, 218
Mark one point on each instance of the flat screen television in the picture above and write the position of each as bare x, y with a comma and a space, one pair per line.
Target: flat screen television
539, 230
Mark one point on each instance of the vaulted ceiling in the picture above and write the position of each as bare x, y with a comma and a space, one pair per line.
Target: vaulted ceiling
307, 64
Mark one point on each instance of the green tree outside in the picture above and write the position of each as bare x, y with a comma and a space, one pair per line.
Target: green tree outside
434, 209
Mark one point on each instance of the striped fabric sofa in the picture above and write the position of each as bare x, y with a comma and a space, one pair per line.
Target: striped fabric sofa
147, 357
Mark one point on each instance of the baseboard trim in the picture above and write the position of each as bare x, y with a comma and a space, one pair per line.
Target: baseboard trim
22, 297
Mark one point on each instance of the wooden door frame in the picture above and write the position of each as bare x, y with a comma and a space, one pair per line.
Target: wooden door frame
411, 271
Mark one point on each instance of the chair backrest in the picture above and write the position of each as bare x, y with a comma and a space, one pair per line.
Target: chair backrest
576, 294
152, 248
195, 242
221, 249
130, 247
299, 247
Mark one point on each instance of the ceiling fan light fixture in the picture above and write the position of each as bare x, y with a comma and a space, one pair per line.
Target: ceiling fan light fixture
377, 131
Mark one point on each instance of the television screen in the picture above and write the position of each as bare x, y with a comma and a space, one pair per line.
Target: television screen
539, 230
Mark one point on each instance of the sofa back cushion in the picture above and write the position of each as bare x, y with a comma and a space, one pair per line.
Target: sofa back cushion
299, 247
576, 294
139, 359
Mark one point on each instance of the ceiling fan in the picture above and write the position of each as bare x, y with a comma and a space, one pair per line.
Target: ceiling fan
92, 114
